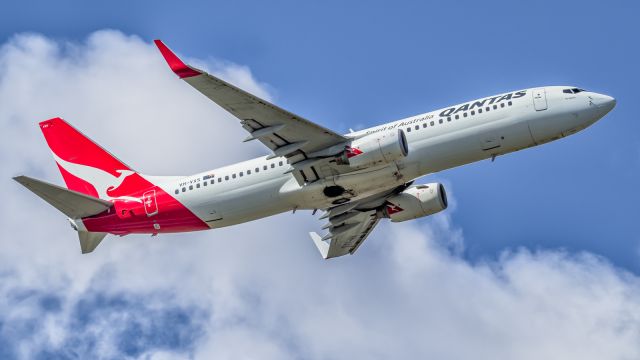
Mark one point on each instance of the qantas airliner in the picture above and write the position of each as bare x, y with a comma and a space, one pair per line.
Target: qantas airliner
357, 179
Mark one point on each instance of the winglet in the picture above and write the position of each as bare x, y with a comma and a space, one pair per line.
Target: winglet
180, 68
323, 246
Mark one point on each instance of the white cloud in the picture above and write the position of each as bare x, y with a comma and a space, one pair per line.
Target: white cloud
258, 290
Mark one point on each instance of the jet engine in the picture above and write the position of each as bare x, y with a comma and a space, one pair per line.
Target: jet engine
379, 148
414, 202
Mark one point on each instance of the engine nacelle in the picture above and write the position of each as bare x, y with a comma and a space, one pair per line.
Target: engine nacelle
414, 202
379, 148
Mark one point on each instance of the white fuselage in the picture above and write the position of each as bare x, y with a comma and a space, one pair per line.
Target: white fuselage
437, 140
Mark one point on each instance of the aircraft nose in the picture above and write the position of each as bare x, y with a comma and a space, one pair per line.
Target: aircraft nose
604, 102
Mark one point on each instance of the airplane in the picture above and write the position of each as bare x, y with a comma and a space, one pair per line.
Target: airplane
356, 179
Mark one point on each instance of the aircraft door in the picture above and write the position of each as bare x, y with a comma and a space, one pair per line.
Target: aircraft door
150, 204
539, 99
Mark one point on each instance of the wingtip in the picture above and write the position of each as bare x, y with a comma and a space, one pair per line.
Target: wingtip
323, 246
177, 66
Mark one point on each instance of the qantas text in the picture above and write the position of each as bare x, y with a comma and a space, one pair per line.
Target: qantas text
481, 103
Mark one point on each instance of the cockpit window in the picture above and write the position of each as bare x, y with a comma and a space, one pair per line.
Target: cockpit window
572, 91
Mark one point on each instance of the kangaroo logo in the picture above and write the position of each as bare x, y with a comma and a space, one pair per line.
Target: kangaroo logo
393, 208
101, 180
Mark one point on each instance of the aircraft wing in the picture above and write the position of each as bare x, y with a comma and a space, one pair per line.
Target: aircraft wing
285, 133
345, 237
351, 223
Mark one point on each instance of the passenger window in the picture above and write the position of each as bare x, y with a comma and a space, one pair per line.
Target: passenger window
473, 112
190, 187
448, 118
233, 175
424, 125
432, 123
480, 111
495, 107
487, 108
417, 127
280, 163
204, 183
219, 179
177, 191
509, 103
501, 105
213, 181
241, 173
408, 129
457, 117
248, 172
464, 114
198, 185
257, 170
440, 121
273, 165
226, 177
184, 189
264, 167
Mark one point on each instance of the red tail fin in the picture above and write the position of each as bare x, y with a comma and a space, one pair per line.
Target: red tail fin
85, 166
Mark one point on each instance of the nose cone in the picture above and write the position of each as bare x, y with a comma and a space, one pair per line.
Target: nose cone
604, 102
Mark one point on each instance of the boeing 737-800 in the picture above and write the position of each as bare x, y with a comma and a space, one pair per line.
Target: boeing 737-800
357, 179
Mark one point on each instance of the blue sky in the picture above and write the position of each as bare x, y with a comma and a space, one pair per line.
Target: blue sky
358, 64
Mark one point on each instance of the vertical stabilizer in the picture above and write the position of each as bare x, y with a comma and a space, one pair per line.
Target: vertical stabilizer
85, 166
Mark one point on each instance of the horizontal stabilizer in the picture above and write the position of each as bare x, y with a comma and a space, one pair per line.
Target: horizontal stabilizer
90, 240
71, 203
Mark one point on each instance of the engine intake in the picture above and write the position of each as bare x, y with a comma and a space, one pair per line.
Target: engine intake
375, 149
415, 202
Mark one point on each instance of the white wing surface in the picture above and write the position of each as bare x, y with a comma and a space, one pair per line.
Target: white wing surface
349, 224
285, 133
345, 236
